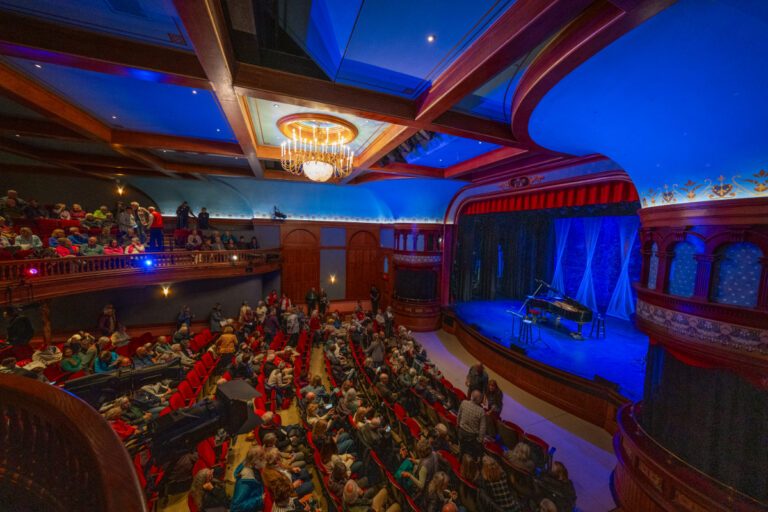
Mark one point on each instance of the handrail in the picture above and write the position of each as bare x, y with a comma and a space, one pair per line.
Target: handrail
59, 454
55, 268
692, 479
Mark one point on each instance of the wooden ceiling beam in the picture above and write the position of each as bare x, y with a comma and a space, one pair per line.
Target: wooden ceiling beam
494, 157
44, 41
158, 141
389, 139
519, 30
26, 91
37, 128
205, 25
409, 170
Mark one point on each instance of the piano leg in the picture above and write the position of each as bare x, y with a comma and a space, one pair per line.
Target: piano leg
578, 335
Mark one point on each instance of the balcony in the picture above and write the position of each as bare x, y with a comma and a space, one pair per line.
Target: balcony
39, 279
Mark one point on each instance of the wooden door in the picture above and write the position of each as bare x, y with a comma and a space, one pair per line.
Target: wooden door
362, 265
301, 264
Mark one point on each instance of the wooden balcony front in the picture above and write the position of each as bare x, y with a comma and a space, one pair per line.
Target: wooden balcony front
39, 279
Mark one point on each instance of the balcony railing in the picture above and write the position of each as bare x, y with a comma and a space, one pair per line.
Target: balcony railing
56, 268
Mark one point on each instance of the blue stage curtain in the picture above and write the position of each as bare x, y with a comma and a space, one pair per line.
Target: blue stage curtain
586, 293
562, 228
622, 303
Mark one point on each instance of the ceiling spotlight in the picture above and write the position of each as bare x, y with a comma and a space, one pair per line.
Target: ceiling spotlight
218, 129
194, 91
114, 117
38, 66
479, 142
18, 135
431, 38
276, 105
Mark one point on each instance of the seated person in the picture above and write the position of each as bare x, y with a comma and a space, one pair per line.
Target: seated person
207, 494
101, 213
92, 248
76, 237
142, 358
277, 382
295, 459
107, 362
70, 361
182, 336
65, 248
90, 221
53, 240
315, 386
497, 484
384, 389
520, 457
437, 494
558, 486
248, 495
33, 210
122, 428
112, 248
27, 240
275, 474
135, 247
60, 211
77, 212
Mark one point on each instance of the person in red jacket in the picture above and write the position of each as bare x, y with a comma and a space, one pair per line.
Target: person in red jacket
155, 230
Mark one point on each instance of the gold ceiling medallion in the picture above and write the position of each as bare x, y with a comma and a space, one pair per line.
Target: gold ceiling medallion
317, 145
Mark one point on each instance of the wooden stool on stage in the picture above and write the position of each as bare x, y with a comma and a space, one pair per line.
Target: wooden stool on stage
598, 327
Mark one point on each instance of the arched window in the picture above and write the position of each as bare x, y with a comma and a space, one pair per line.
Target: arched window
653, 267
682, 272
736, 275
386, 264
420, 242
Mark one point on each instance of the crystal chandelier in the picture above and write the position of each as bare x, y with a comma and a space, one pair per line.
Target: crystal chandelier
316, 146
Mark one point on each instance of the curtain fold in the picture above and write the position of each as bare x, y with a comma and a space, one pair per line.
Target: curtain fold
562, 228
586, 293
622, 303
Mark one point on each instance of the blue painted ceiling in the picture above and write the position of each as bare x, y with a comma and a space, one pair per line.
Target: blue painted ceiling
679, 102
382, 44
136, 103
149, 21
446, 150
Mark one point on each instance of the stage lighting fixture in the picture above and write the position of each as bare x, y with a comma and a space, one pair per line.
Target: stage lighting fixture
149, 262
31, 272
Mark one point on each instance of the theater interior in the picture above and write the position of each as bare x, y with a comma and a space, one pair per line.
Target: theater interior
354, 255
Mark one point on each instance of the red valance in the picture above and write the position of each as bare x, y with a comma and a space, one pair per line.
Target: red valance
581, 195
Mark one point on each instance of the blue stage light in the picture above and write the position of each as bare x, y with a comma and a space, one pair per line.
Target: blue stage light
149, 262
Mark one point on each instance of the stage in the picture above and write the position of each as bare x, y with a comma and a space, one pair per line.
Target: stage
619, 357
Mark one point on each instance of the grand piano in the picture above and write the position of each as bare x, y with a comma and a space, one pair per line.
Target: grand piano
561, 306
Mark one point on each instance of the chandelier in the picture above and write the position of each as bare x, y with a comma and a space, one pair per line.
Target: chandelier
316, 146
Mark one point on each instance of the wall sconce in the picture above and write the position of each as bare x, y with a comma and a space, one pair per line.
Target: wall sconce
332, 278
166, 290
120, 188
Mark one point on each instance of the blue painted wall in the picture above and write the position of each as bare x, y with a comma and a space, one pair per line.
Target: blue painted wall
408, 200
736, 277
678, 102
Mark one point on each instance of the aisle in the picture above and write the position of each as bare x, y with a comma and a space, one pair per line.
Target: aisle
585, 449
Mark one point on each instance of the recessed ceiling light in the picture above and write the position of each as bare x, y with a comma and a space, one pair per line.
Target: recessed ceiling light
114, 117
194, 91
165, 151
18, 135
479, 142
218, 129
431, 38
440, 160
38, 66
